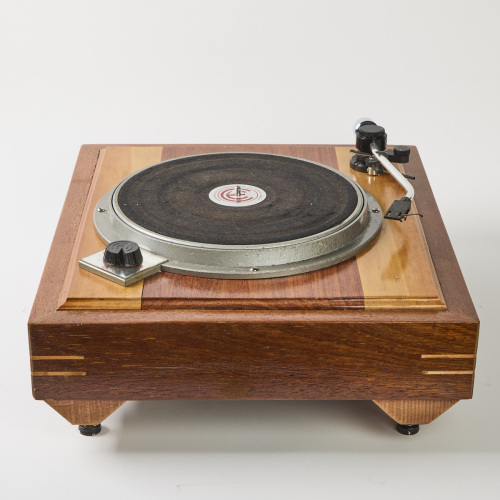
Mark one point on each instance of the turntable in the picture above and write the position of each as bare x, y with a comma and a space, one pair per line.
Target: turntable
252, 272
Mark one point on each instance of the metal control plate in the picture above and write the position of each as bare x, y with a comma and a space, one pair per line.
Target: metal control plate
125, 276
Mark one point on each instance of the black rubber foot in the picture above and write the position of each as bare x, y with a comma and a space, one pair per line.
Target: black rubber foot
407, 430
89, 430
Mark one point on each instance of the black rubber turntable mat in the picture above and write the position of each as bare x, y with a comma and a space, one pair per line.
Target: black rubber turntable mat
302, 199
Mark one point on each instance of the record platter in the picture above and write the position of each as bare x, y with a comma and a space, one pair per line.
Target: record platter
252, 272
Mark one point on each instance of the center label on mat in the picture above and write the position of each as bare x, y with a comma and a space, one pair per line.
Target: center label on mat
237, 195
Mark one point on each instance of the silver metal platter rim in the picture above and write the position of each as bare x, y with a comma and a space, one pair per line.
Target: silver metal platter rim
113, 206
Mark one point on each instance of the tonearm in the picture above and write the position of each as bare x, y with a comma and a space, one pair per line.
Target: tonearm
373, 158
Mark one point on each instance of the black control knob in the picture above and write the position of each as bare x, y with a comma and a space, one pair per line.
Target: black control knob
123, 254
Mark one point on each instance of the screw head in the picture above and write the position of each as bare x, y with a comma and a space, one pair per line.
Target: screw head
375, 210
254, 269
100, 210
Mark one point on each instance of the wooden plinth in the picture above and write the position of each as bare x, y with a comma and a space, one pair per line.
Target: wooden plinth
394, 273
394, 323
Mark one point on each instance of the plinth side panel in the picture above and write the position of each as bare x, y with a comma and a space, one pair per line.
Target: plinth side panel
282, 360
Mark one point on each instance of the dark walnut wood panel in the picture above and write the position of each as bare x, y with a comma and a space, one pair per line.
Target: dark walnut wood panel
380, 363
234, 386
338, 286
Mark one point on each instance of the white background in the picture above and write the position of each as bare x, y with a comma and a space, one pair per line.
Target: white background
247, 72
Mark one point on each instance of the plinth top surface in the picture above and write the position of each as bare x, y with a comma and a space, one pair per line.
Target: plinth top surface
396, 272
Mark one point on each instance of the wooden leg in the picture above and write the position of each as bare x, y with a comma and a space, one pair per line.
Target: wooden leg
415, 412
89, 413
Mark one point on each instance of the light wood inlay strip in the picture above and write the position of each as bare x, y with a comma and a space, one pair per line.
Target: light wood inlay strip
396, 271
457, 372
40, 358
449, 356
82, 289
56, 374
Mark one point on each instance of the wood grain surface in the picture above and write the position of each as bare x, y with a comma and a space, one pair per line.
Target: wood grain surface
251, 359
84, 412
397, 271
82, 289
413, 412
